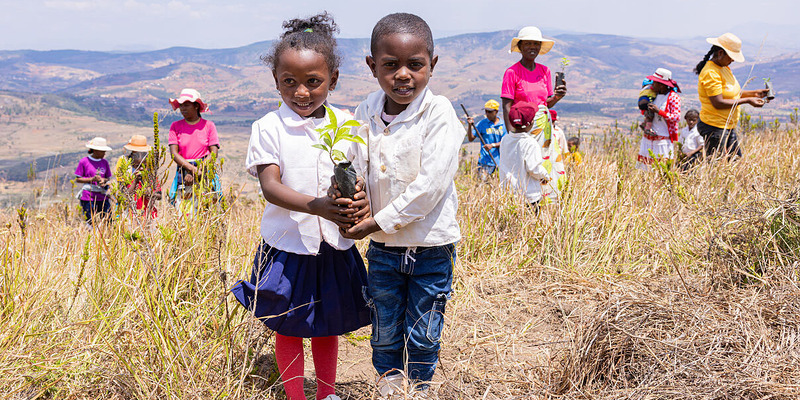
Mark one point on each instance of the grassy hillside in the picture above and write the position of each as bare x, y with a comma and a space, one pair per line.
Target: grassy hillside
640, 285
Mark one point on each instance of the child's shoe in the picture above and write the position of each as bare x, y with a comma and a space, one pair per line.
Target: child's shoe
332, 397
391, 387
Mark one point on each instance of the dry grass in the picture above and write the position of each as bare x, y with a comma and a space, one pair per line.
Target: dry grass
640, 285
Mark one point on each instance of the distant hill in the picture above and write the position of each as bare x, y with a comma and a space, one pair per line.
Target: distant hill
603, 76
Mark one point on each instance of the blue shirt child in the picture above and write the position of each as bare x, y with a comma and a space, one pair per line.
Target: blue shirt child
492, 132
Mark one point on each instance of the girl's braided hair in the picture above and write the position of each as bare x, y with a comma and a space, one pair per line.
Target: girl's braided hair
312, 33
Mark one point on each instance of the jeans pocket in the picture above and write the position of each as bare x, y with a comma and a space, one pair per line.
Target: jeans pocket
373, 313
436, 318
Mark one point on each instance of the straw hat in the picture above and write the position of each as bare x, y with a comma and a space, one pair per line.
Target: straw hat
492, 105
137, 143
99, 144
189, 95
531, 33
731, 44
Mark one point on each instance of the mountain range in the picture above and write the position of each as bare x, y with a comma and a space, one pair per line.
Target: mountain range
604, 75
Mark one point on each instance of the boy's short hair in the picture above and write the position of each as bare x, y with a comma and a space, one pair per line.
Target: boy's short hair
574, 140
692, 111
521, 115
401, 23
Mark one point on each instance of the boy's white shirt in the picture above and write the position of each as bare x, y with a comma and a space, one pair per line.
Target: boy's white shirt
520, 165
409, 167
690, 139
284, 138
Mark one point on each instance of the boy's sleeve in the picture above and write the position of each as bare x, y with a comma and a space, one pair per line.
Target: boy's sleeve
438, 166
509, 84
533, 161
263, 148
711, 81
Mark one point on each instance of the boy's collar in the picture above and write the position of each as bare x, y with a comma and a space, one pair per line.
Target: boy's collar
376, 105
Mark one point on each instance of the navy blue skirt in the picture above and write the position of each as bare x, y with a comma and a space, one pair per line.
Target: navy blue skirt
307, 295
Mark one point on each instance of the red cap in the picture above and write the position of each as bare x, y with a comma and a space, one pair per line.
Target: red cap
522, 114
554, 115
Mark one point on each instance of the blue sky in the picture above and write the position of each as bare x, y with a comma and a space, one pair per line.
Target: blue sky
150, 24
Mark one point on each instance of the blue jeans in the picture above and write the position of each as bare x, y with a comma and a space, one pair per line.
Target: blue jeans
101, 209
408, 290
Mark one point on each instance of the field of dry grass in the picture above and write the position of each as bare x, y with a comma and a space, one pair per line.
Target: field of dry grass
639, 285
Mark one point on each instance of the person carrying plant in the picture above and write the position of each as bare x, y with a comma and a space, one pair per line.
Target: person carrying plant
657, 144
414, 140
307, 279
491, 130
94, 173
191, 140
720, 95
144, 195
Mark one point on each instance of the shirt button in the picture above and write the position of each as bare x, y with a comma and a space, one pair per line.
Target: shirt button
397, 227
383, 168
387, 131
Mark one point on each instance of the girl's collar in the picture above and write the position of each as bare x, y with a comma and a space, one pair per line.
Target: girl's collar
94, 159
294, 120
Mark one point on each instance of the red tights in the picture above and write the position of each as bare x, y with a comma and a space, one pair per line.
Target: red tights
289, 355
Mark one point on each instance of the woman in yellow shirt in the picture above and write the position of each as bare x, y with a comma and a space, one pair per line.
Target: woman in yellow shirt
720, 95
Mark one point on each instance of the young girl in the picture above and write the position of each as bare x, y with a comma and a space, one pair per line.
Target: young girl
190, 140
307, 280
94, 172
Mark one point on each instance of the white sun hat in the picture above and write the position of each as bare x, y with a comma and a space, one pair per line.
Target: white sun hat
731, 44
531, 33
189, 95
99, 144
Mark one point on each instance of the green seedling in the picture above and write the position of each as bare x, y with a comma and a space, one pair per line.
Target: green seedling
333, 133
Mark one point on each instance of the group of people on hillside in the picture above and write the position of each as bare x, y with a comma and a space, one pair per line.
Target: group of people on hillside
191, 139
709, 132
308, 280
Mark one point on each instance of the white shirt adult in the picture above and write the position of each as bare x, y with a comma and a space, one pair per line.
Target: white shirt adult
284, 138
409, 166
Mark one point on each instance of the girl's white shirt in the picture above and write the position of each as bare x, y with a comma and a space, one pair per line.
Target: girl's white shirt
284, 138
409, 167
520, 166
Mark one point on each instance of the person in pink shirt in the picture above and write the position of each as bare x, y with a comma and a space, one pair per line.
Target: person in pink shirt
527, 81
191, 139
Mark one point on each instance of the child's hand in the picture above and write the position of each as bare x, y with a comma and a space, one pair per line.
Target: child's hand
362, 229
188, 179
329, 209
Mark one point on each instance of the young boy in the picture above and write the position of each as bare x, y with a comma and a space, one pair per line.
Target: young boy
521, 159
491, 130
575, 156
691, 141
409, 166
